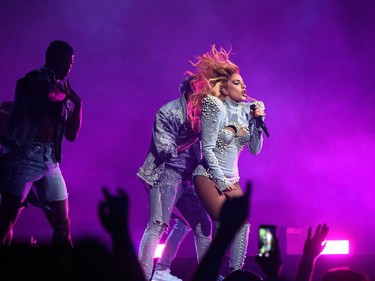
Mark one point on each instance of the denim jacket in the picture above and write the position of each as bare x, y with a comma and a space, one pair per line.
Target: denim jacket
31, 105
220, 147
168, 133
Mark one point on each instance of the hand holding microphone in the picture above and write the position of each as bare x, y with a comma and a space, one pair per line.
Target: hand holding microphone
257, 112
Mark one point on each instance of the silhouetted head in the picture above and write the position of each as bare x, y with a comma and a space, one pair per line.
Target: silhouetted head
344, 274
242, 275
59, 58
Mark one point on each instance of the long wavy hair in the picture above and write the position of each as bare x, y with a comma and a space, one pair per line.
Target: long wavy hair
213, 71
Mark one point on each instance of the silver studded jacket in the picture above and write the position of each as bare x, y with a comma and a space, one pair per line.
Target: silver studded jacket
221, 147
168, 133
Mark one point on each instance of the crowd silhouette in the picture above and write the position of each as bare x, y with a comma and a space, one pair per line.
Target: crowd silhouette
92, 259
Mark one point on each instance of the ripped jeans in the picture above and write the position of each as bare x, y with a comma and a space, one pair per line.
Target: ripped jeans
172, 190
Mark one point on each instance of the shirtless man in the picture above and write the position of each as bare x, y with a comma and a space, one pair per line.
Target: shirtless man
45, 110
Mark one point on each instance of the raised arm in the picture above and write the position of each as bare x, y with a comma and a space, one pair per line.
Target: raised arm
313, 246
73, 124
113, 214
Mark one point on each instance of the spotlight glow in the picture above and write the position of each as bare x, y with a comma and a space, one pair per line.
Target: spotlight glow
336, 247
159, 250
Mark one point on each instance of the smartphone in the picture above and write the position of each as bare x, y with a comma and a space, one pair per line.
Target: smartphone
267, 235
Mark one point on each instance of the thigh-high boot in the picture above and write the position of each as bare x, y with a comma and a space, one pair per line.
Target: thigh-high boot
238, 248
202, 241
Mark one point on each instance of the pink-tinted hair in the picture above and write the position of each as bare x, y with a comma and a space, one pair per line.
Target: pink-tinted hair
213, 70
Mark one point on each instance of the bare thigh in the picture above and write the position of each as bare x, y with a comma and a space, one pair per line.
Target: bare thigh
211, 198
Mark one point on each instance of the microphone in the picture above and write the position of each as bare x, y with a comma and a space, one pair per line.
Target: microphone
261, 122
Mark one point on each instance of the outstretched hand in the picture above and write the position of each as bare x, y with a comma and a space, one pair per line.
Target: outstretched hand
314, 245
312, 248
113, 214
113, 211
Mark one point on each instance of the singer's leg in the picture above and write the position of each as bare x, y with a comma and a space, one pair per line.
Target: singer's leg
211, 198
238, 248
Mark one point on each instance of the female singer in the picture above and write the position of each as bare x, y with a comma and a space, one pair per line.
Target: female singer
220, 109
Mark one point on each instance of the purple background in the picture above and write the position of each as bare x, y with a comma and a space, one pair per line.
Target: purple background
311, 62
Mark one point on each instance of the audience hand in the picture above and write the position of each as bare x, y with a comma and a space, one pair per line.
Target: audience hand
315, 245
271, 265
234, 212
113, 212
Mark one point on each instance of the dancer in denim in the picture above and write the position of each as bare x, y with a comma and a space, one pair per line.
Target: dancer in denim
45, 110
219, 107
167, 174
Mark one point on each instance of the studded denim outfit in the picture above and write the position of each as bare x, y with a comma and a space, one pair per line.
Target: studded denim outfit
167, 178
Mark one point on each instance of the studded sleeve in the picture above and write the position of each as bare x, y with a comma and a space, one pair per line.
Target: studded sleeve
213, 120
256, 137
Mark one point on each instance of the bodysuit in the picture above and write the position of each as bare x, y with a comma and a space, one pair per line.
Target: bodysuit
221, 147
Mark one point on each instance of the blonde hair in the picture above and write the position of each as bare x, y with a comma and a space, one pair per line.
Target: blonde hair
213, 71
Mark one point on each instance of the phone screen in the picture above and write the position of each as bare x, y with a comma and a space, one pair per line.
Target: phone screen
267, 234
